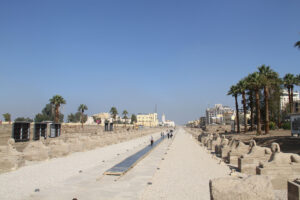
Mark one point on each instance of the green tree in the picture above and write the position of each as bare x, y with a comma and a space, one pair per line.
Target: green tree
234, 91
47, 114
251, 95
75, 118
268, 78
114, 112
242, 87
254, 83
298, 80
289, 80
57, 101
81, 109
125, 113
133, 118
297, 44
23, 119
7, 117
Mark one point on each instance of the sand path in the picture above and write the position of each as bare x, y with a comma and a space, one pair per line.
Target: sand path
54, 174
176, 169
185, 172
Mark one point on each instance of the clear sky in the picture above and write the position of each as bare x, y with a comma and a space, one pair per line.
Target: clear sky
181, 55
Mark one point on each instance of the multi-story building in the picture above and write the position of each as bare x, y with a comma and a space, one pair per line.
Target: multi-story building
149, 120
193, 124
284, 98
219, 114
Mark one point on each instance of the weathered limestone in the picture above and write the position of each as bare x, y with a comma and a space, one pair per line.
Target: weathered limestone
75, 145
206, 140
58, 148
10, 158
236, 152
202, 138
249, 188
247, 163
215, 142
280, 168
224, 142
226, 148
294, 189
36, 151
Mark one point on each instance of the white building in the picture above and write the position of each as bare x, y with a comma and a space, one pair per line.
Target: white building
284, 98
218, 114
163, 118
167, 123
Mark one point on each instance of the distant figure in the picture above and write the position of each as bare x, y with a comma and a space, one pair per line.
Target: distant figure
168, 135
171, 135
151, 140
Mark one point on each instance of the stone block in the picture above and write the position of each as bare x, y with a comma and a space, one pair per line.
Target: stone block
294, 189
248, 188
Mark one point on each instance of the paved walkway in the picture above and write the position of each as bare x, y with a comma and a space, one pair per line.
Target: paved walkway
185, 172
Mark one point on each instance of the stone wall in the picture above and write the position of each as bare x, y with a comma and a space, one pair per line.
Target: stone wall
67, 128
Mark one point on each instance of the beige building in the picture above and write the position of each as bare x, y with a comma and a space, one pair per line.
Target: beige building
149, 120
103, 117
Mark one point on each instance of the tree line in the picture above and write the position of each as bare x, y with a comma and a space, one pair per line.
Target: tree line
51, 112
261, 91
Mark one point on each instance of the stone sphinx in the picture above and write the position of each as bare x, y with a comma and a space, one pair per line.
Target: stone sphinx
239, 149
247, 163
203, 138
10, 158
280, 168
226, 148
224, 142
215, 142
207, 141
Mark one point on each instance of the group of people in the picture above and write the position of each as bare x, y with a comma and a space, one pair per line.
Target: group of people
169, 134
162, 134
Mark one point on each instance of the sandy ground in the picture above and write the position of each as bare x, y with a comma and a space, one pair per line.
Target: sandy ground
185, 172
175, 169
21, 184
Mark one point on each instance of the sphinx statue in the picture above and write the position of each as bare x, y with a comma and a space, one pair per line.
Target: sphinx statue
280, 167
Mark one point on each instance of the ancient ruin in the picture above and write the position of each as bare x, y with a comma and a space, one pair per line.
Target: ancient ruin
280, 168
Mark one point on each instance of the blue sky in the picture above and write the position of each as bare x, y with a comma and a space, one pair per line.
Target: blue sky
181, 55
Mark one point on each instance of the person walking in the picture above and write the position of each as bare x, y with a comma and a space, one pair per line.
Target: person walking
168, 135
151, 140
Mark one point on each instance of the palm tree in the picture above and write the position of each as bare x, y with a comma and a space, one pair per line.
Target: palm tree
297, 44
81, 109
289, 80
242, 86
57, 100
113, 111
251, 94
268, 78
125, 113
254, 83
298, 80
234, 91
